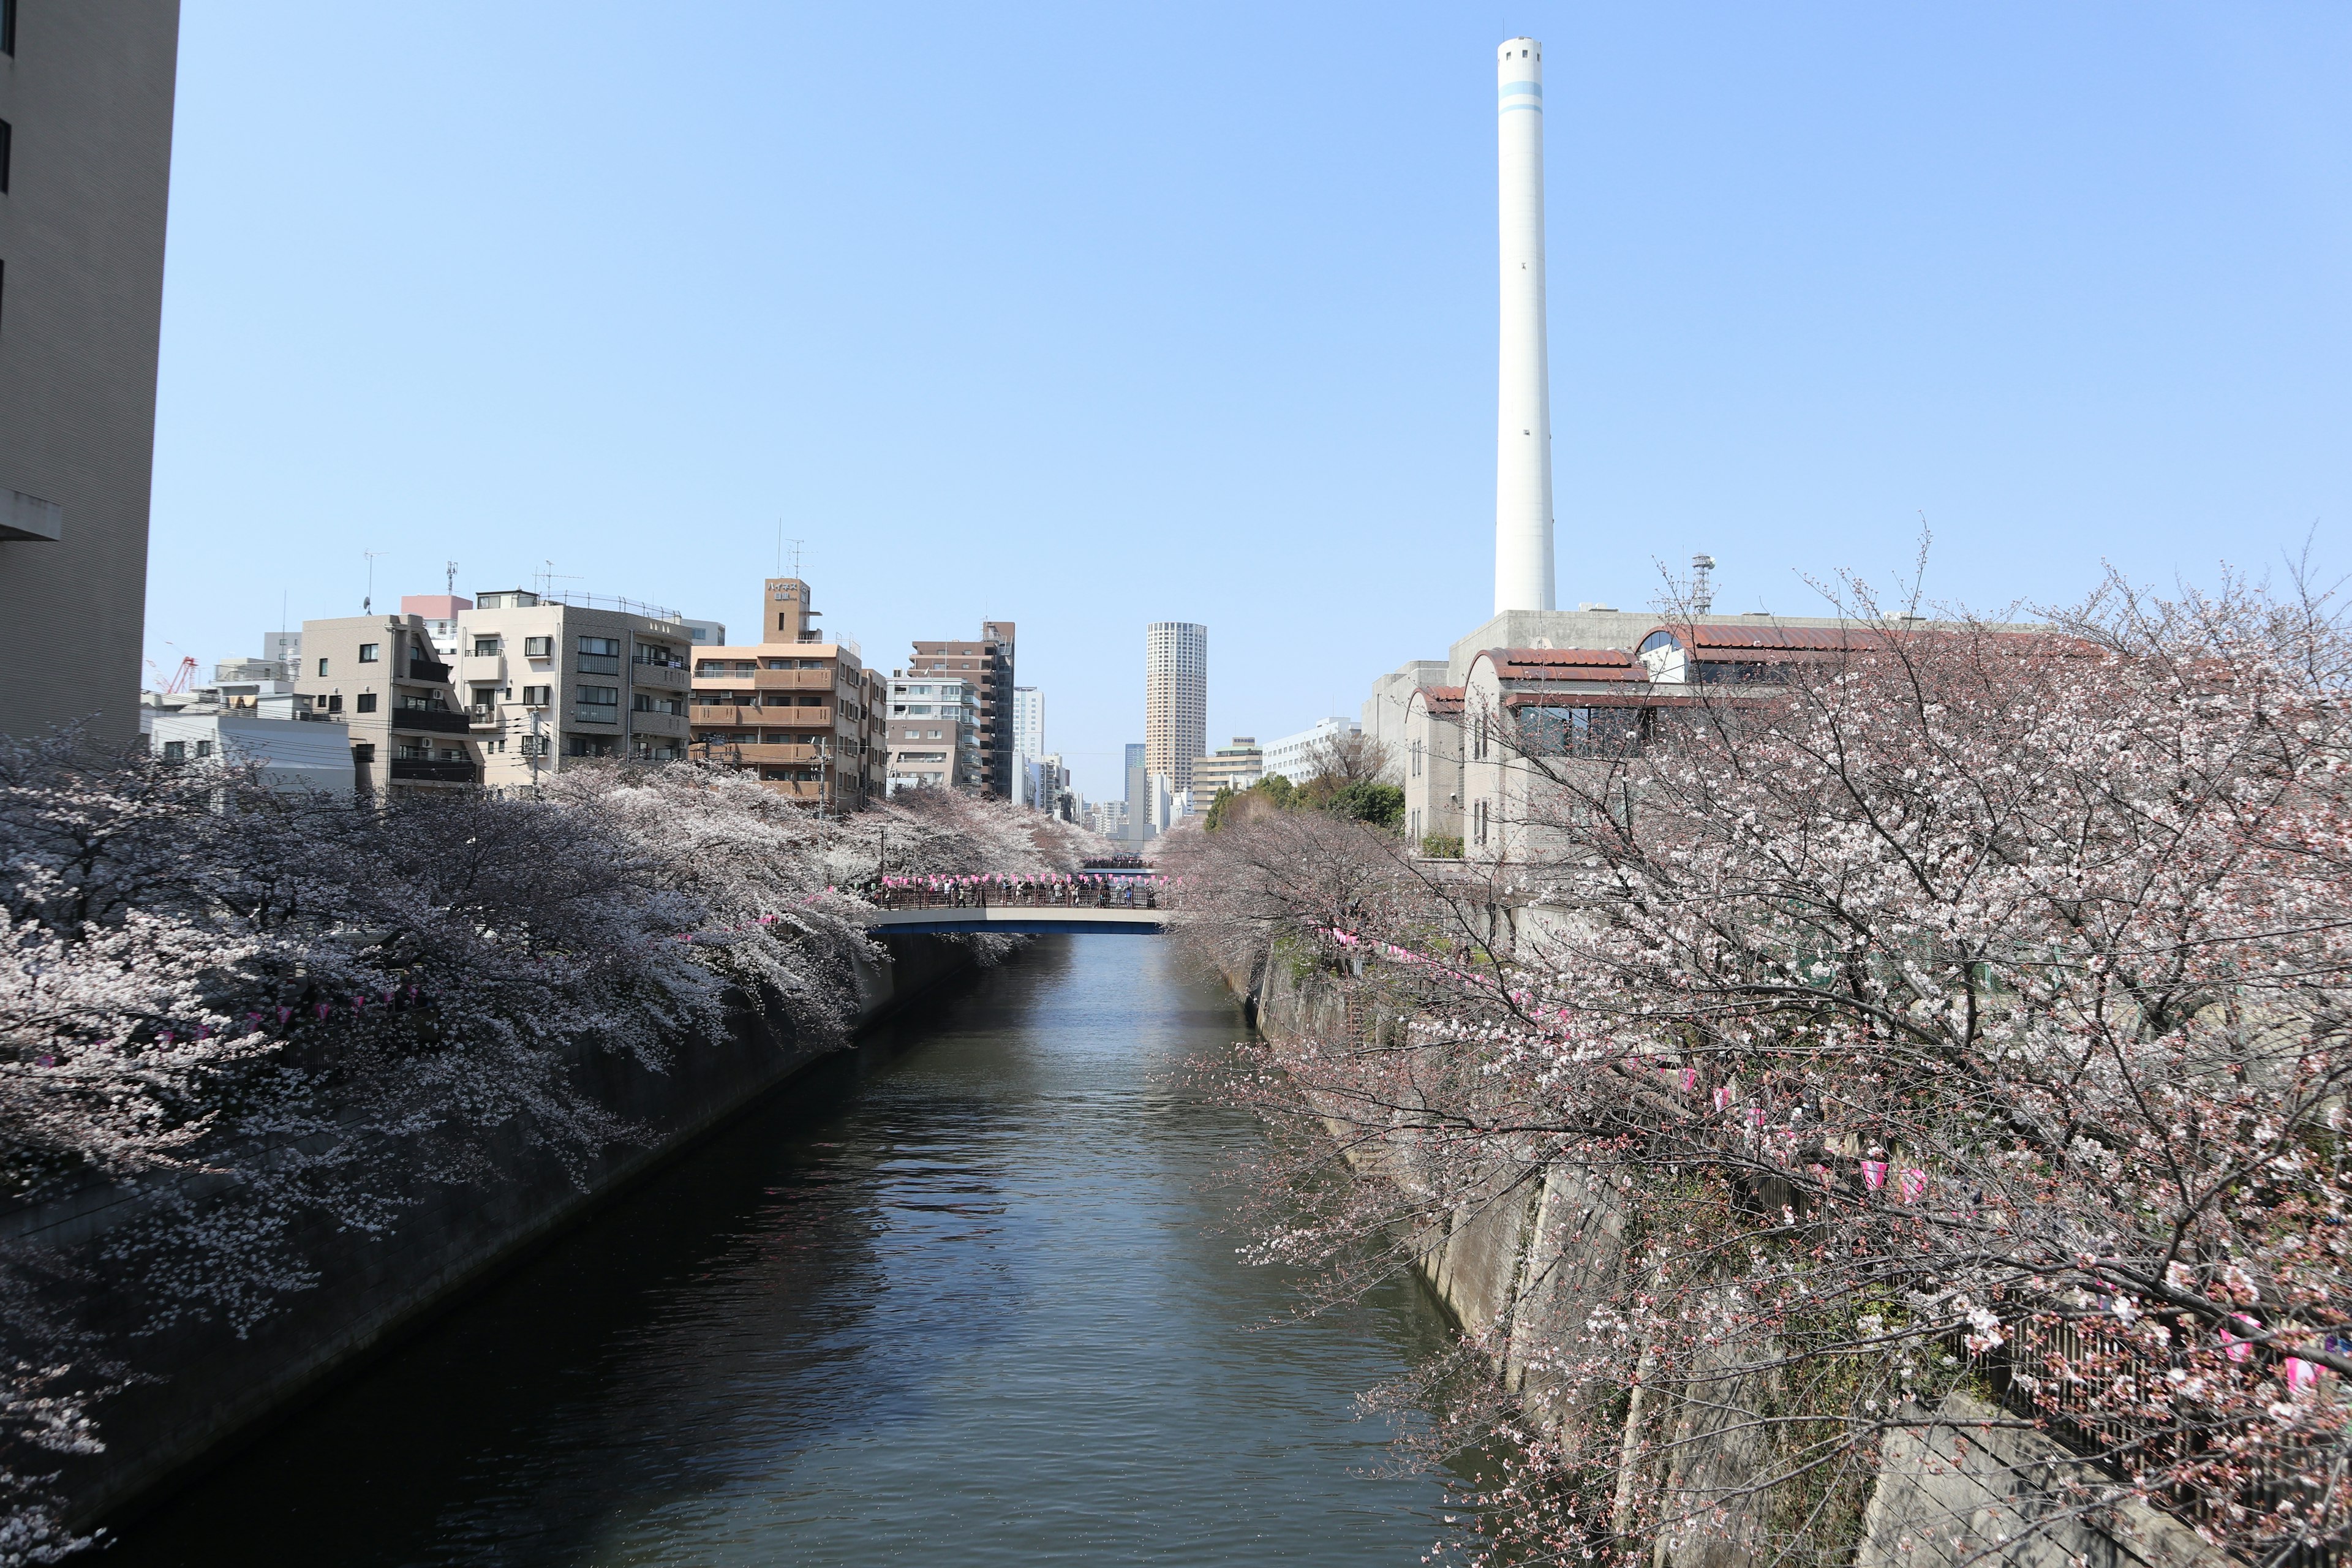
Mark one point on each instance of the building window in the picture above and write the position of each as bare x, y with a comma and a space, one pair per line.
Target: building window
486, 648
204, 748
1416, 759
538, 647
4, 137
8, 27
334, 703
1478, 822
322, 668
175, 751
538, 696
600, 655
368, 652
533, 746
367, 701
594, 697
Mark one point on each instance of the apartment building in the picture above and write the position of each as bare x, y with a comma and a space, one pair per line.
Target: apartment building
934, 732
1234, 767
86, 94
798, 708
548, 679
988, 662
1175, 697
378, 675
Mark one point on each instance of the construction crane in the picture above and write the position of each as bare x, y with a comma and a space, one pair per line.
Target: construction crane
183, 677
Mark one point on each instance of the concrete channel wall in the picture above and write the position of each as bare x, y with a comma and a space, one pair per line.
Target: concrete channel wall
1521, 1268
210, 1386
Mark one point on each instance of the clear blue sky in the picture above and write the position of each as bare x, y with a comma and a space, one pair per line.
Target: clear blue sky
1083, 317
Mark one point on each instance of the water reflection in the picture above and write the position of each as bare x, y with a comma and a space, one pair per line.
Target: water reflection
963, 1298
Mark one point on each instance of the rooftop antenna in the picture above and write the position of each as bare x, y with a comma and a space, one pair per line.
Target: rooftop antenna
367, 604
796, 544
450, 572
1702, 593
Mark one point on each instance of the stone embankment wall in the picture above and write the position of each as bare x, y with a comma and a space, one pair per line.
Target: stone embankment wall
209, 1384
1521, 1268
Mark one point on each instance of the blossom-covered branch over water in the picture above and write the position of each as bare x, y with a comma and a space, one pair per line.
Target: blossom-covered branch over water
1967, 1012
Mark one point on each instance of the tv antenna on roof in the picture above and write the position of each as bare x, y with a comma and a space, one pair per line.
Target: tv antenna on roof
367, 604
547, 579
796, 544
451, 573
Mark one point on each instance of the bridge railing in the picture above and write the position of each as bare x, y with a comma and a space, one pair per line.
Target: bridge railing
977, 893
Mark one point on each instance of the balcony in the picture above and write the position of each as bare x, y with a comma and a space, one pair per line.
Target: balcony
791, 680
659, 676
609, 718
723, 714
423, 770
431, 720
428, 671
764, 752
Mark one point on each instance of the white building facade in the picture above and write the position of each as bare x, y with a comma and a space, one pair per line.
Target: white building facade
1300, 757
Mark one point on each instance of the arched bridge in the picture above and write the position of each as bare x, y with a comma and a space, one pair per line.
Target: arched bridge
1021, 906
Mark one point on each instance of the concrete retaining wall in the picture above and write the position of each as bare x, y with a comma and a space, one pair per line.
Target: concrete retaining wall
211, 1385
1522, 1268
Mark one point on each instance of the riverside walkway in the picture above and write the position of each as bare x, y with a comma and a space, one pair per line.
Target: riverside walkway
1022, 906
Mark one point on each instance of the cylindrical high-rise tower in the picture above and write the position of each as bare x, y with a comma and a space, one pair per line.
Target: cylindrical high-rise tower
1523, 571
1175, 699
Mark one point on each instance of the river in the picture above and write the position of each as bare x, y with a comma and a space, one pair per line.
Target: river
965, 1295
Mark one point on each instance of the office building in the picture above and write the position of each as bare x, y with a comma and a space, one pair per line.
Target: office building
988, 661
799, 707
1301, 756
1028, 722
1175, 699
86, 101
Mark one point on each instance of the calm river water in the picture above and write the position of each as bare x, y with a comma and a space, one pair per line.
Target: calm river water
965, 1296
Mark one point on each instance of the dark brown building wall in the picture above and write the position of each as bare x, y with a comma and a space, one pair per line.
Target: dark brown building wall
88, 96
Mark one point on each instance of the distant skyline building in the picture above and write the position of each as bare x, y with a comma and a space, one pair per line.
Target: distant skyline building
1028, 722
1175, 699
1523, 520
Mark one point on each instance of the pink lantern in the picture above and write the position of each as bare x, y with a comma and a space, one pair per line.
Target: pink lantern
1874, 1174
1911, 1184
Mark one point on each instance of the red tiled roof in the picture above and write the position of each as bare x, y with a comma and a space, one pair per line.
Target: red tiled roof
1444, 701
1564, 664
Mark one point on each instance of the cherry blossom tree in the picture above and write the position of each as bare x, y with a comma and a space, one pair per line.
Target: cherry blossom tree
1966, 1011
319, 1003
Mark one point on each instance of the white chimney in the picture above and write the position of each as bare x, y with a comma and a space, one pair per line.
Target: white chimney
1523, 566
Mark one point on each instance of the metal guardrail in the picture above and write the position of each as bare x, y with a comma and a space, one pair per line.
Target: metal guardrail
1120, 893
